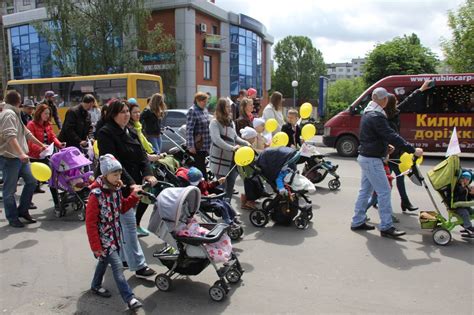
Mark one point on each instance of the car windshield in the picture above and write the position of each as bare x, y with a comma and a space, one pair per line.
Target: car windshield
174, 119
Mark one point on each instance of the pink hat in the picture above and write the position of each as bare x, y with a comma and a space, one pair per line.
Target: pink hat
251, 92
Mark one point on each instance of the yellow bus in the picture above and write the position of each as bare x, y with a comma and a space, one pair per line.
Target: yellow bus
70, 90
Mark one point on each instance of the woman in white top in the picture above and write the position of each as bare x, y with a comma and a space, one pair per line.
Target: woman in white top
275, 110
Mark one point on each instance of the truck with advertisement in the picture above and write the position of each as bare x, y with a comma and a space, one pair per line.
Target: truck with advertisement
427, 121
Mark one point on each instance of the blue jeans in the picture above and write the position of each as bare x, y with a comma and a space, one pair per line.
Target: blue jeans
465, 214
227, 212
156, 143
131, 251
372, 200
116, 263
230, 183
12, 170
373, 178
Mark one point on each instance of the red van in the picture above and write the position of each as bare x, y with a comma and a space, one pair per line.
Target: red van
426, 122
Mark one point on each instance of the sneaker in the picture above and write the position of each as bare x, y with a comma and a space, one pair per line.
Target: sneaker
28, 218
237, 220
145, 272
141, 232
134, 304
101, 292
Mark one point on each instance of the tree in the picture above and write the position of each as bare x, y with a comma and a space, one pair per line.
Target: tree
107, 36
459, 51
342, 93
298, 60
402, 55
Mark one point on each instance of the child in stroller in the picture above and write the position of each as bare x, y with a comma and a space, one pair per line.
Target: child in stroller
451, 182
277, 166
212, 200
191, 247
70, 178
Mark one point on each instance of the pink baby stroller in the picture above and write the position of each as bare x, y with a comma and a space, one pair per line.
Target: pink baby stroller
71, 176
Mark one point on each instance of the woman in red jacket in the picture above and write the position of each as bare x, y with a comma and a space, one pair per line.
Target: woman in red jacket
41, 128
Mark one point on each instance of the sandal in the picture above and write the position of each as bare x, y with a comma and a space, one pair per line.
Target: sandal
101, 292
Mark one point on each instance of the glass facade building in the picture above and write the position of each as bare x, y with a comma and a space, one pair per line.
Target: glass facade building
31, 54
245, 60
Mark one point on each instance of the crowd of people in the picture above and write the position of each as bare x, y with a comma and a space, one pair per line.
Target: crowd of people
130, 140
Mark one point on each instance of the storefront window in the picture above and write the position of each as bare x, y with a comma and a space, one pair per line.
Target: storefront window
245, 60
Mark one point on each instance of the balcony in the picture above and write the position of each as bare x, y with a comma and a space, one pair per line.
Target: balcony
214, 42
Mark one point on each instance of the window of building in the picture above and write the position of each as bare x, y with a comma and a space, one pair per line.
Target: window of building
207, 67
245, 60
215, 29
39, 3
26, 2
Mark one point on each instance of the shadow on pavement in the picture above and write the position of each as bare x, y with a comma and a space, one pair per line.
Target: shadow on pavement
390, 252
459, 248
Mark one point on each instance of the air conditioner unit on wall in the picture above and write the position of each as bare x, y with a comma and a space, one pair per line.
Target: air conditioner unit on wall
203, 27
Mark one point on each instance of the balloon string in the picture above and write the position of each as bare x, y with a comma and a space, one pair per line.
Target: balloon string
235, 165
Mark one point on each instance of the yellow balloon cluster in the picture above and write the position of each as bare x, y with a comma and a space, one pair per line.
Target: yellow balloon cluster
40, 171
305, 110
280, 139
308, 131
271, 125
406, 161
244, 156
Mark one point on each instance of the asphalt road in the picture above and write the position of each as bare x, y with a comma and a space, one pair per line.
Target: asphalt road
47, 267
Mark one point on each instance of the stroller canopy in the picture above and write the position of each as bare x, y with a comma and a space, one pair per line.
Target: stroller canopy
443, 177
68, 159
272, 160
169, 206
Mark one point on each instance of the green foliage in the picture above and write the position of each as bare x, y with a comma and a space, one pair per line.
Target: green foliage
402, 55
298, 60
342, 93
459, 51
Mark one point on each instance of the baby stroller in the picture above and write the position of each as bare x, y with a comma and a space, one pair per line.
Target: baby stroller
70, 178
282, 209
188, 255
443, 178
210, 208
317, 168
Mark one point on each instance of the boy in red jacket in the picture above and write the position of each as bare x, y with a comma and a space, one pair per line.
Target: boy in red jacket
103, 227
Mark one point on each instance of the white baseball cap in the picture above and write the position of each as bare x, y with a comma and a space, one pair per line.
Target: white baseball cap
380, 93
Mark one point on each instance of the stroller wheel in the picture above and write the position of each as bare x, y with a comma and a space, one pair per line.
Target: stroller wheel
233, 276
301, 222
163, 282
217, 293
441, 236
258, 218
309, 215
334, 184
58, 212
266, 204
235, 233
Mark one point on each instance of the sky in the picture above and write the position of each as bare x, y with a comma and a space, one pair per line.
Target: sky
345, 29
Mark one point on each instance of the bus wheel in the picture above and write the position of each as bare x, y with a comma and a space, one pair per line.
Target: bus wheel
347, 146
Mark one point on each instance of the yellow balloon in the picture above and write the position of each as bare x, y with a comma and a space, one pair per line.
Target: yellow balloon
40, 171
244, 156
271, 125
305, 110
280, 139
406, 161
308, 131
95, 146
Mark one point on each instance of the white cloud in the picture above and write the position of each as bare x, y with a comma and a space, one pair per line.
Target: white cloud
345, 29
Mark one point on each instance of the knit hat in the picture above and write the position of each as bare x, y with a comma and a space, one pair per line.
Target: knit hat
467, 175
194, 176
109, 164
248, 133
258, 122
132, 100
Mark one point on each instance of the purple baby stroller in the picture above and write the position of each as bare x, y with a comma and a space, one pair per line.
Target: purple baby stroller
71, 176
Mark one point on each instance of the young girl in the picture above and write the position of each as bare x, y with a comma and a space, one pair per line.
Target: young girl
151, 120
463, 194
261, 142
103, 227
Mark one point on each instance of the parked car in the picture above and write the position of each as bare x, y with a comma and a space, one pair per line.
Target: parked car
175, 119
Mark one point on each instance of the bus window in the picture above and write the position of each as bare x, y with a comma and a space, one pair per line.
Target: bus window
418, 104
147, 88
108, 89
452, 98
62, 90
78, 90
39, 89
359, 108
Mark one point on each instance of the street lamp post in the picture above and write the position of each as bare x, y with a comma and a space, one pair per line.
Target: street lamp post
294, 84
